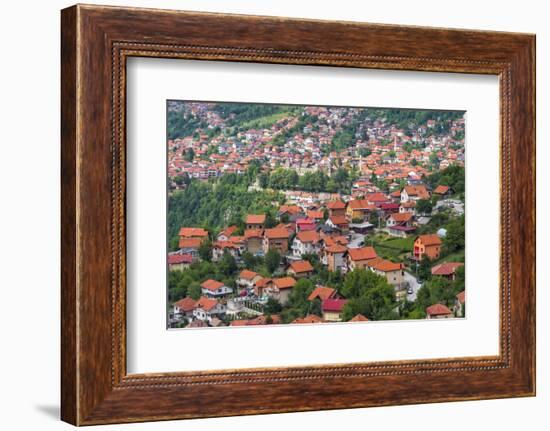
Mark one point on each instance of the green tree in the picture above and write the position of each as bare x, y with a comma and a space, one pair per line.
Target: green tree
272, 306
424, 206
272, 260
189, 155
228, 265
455, 236
205, 251
194, 290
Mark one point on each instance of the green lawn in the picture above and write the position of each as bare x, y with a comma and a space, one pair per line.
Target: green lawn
391, 248
264, 122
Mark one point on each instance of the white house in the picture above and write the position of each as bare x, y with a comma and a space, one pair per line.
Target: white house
306, 242
215, 289
207, 308
248, 279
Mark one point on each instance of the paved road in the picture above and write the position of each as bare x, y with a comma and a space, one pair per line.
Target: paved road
410, 278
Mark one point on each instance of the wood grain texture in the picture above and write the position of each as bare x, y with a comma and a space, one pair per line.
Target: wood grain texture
96, 41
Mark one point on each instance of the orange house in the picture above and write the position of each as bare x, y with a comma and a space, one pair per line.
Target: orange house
427, 246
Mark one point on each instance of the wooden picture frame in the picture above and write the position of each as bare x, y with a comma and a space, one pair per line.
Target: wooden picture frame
95, 43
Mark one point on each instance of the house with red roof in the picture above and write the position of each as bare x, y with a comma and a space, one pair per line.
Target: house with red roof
193, 232
376, 198
316, 215
247, 279
338, 222
359, 209
276, 239
255, 221
438, 311
300, 269
292, 212
428, 245
306, 242
322, 293
394, 272
442, 191
185, 307
214, 289
336, 208
225, 234
207, 308
179, 261
305, 224
358, 258
446, 269
190, 246
254, 241
414, 193
281, 288
220, 247
310, 318
335, 257
332, 309
400, 224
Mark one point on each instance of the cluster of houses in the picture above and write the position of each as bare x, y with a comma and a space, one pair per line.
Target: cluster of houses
329, 232
388, 155
330, 227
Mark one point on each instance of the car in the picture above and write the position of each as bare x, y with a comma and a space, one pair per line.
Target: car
361, 243
410, 291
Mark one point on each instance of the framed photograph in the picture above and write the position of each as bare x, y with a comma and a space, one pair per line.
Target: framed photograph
264, 215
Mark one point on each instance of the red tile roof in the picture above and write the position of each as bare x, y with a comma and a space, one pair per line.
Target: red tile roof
301, 266
284, 282
310, 318
338, 220
174, 259
429, 239
228, 231
255, 219
315, 214
308, 236
190, 242
276, 233
363, 253
334, 305
290, 209
322, 293
253, 233
438, 310
376, 197
441, 190
418, 191
360, 204
336, 205
186, 304
384, 265
247, 274
401, 217
192, 232
446, 268
211, 284
336, 248
206, 304
359, 318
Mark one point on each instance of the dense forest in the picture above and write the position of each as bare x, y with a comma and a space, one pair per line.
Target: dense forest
216, 204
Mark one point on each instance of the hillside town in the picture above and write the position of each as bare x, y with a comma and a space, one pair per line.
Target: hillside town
305, 215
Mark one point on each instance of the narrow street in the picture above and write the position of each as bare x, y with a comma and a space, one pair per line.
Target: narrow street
411, 279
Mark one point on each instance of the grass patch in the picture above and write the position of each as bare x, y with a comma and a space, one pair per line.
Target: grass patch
264, 122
